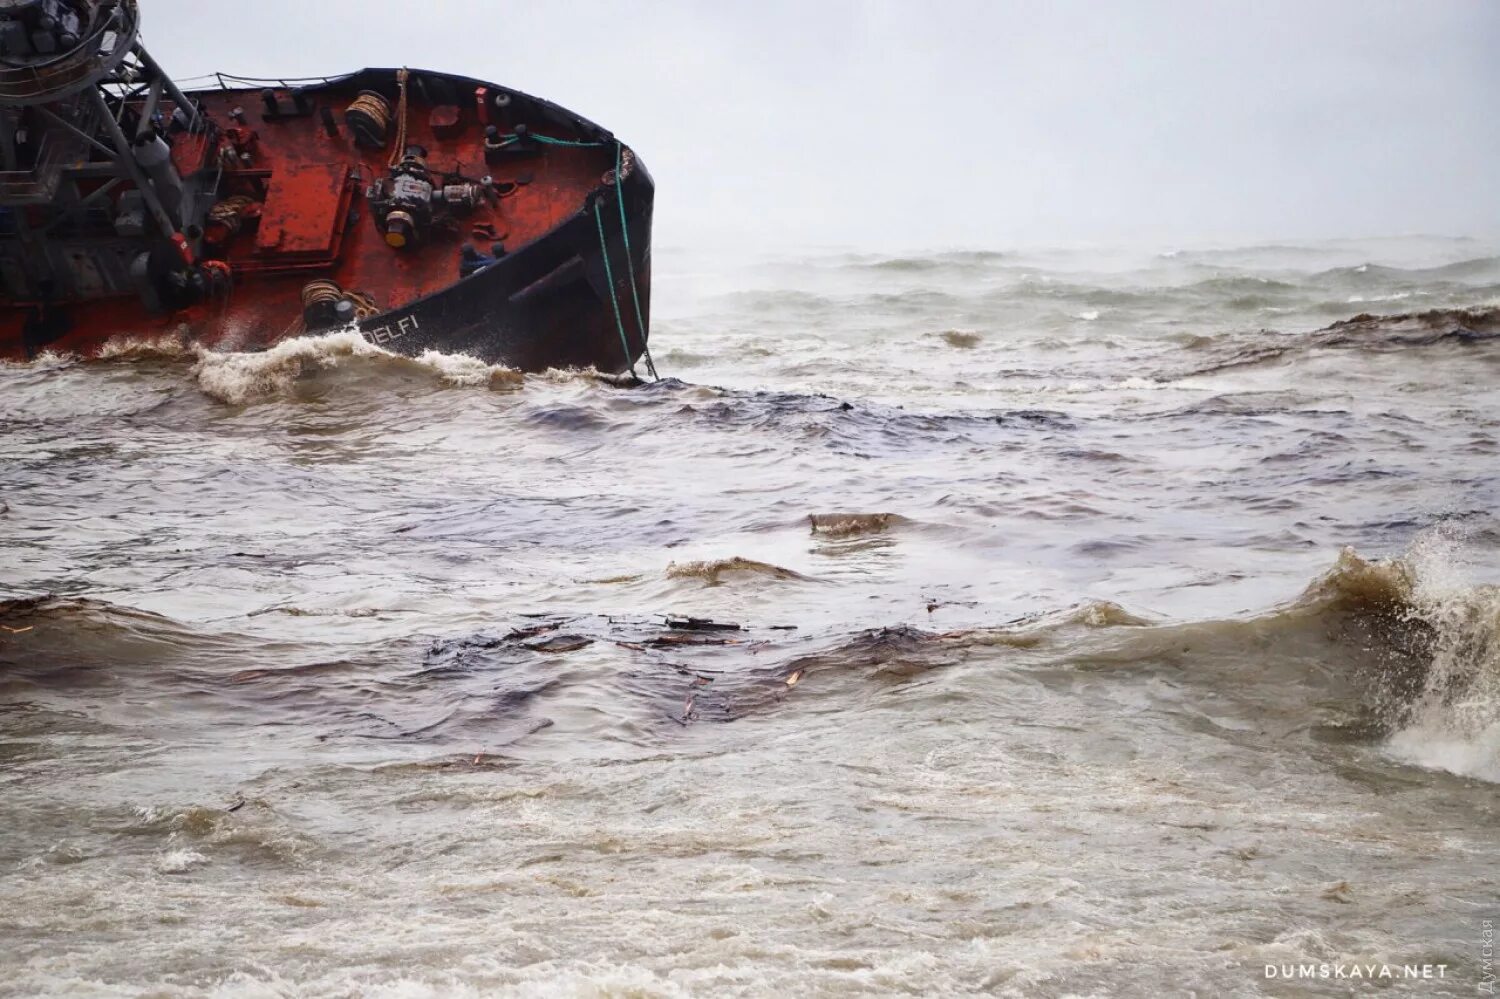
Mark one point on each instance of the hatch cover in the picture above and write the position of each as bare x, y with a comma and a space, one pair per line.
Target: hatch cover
305, 211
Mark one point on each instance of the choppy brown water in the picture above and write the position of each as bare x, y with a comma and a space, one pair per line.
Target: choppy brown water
1094, 639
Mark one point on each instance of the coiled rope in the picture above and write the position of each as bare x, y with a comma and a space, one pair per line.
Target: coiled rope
374, 109
323, 291
230, 213
320, 291
372, 106
364, 305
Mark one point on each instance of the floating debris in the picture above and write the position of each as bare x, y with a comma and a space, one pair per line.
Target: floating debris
852, 525
561, 643
672, 640
540, 629
700, 624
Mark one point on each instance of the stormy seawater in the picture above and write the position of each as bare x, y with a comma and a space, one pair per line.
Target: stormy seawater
1110, 623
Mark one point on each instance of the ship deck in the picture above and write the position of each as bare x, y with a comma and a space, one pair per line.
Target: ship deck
308, 181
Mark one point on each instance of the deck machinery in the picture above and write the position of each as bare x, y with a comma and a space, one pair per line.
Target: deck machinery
425, 210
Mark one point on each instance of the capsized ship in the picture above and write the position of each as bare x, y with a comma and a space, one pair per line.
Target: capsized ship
429, 211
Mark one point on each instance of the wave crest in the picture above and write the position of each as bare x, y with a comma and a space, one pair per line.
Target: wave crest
241, 378
715, 572
1432, 643
1452, 721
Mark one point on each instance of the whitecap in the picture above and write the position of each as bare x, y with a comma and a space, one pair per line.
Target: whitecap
179, 861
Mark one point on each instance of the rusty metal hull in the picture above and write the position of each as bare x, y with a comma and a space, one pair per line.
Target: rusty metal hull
559, 296
547, 305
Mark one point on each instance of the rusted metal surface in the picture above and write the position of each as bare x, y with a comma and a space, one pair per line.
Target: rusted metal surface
313, 222
306, 211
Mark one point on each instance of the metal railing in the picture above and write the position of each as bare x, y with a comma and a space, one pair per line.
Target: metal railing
225, 82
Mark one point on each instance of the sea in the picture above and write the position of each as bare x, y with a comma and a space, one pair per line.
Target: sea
1059, 622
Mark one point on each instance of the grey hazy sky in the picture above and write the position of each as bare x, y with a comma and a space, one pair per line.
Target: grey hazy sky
963, 123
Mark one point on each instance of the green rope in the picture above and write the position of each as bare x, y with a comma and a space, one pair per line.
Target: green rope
609, 276
635, 292
547, 140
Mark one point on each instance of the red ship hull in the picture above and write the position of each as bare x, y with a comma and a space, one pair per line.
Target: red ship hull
561, 241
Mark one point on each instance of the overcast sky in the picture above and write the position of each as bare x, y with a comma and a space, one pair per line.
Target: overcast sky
906, 124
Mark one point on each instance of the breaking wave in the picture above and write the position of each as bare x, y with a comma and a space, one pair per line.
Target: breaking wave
293, 367
1415, 649
1451, 718
140, 349
1400, 654
240, 378
1404, 653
